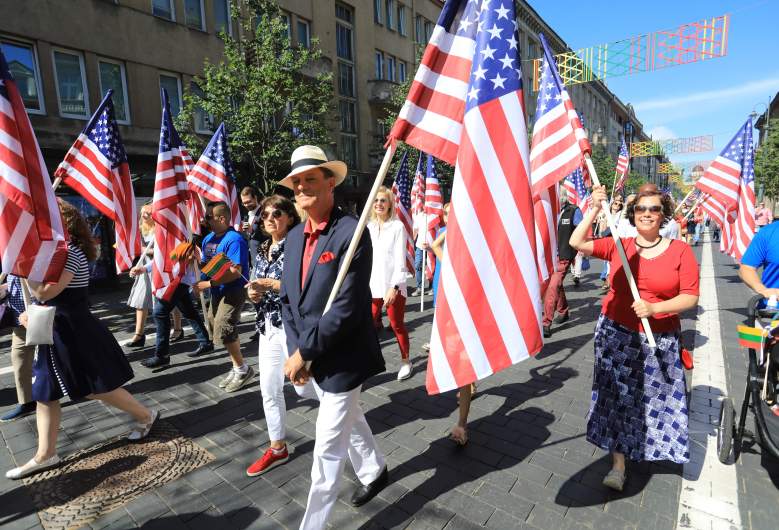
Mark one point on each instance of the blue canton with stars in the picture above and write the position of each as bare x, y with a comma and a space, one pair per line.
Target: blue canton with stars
495, 71
169, 137
577, 179
741, 151
550, 88
104, 132
217, 151
403, 183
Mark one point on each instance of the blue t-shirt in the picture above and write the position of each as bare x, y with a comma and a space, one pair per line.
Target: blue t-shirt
763, 251
235, 248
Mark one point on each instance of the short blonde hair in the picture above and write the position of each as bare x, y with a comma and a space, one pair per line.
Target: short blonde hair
390, 197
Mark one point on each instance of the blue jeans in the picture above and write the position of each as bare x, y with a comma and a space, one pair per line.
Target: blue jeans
162, 310
697, 236
604, 274
418, 266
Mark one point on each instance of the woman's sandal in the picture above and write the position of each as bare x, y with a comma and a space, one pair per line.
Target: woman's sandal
459, 435
141, 430
615, 479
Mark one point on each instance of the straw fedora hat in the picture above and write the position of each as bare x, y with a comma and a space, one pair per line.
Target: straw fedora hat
308, 157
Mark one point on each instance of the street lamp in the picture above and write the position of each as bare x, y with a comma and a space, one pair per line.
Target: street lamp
767, 113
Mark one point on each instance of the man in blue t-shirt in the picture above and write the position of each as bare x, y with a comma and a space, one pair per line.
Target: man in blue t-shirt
227, 293
763, 252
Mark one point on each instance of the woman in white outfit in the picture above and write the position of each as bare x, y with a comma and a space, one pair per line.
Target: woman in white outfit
388, 273
278, 216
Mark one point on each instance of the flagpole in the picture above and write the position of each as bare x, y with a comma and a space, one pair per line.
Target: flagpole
622, 256
197, 275
424, 267
347, 261
684, 200
700, 201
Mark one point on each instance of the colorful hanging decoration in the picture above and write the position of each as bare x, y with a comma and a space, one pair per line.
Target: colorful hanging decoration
692, 144
688, 43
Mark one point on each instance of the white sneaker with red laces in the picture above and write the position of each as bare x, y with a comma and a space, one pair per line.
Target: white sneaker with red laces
268, 461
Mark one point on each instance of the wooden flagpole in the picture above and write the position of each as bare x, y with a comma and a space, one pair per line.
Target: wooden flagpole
700, 201
339, 280
678, 206
622, 256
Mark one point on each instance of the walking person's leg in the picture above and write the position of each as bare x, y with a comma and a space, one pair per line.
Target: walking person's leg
161, 313
553, 293
21, 361
418, 266
396, 313
47, 422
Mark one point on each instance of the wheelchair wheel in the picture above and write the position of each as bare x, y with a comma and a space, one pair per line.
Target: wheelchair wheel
726, 431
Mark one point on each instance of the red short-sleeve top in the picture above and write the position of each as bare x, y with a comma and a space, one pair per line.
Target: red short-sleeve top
661, 278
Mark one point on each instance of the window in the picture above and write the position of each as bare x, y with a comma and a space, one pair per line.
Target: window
23, 64
377, 11
345, 79
402, 20
390, 67
71, 84
222, 20
349, 150
419, 28
204, 122
172, 84
401, 72
304, 33
343, 36
379, 65
390, 14
193, 14
348, 113
428, 30
163, 9
344, 13
112, 76
288, 23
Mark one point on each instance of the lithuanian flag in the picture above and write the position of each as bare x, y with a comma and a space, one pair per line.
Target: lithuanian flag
749, 337
217, 266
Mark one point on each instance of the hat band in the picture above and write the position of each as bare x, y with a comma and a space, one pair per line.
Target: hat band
307, 162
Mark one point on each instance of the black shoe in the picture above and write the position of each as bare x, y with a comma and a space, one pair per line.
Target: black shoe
547, 331
365, 493
177, 336
561, 318
19, 412
156, 362
575, 280
202, 350
137, 343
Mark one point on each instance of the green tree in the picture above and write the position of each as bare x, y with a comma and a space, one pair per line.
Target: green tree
268, 93
767, 162
604, 166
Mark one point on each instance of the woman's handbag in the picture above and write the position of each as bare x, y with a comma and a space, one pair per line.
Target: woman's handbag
40, 325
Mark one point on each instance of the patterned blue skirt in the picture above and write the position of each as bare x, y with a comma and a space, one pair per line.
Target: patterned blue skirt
639, 404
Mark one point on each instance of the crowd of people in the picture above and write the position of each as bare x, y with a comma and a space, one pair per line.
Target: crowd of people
284, 259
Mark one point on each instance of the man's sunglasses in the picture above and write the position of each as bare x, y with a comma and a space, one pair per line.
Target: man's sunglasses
275, 213
643, 209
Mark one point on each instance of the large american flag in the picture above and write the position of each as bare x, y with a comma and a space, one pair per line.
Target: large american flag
723, 177
418, 189
33, 239
401, 189
96, 167
745, 219
621, 171
169, 206
488, 311
724, 218
434, 211
213, 177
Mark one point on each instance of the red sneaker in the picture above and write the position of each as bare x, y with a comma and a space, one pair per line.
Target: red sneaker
268, 461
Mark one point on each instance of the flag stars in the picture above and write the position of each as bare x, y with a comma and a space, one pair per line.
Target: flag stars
473, 93
502, 12
508, 62
479, 72
494, 32
488, 53
498, 81
512, 41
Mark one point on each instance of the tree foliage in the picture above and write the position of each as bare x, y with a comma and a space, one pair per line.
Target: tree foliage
266, 91
767, 162
604, 166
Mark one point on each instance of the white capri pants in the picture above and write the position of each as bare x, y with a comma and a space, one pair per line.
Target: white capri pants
272, 356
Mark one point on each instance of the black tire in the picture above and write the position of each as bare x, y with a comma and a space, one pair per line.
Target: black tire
726, 431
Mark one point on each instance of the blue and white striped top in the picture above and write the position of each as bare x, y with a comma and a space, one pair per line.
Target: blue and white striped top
78, 265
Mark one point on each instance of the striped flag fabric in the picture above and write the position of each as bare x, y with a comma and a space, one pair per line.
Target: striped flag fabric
744, 227
434, 211
751, 337
33, 238
169, 206
217, 266
96, 167
213, 177
546, 208
621, 171
488, 307
724, 218
559, 140
418, 189
401, 190
722, 178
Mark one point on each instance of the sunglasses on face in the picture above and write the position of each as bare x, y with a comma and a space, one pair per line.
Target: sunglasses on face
652, 209
275, 213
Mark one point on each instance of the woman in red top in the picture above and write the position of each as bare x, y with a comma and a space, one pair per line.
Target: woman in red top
639, 406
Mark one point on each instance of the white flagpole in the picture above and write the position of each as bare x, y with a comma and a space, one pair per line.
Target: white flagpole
683, 200
622, 256
424, 266
197, 279
700, 201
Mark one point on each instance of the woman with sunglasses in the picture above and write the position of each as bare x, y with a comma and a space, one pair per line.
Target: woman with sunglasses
388, 272
278, 216
639, 407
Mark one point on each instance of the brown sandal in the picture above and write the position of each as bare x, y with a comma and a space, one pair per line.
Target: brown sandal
459, 435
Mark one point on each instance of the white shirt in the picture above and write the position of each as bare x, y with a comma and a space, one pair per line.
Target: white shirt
625, 229
389, 257
670, 230
420, 226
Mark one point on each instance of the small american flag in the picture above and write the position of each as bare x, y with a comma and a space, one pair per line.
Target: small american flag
434, 211
723, 177
745, 219
213, 176
96, 167
33, 239
621, 171
577, 192
418, 189
401, 189
169, 206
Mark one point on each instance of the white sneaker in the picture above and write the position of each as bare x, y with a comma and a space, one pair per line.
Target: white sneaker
32, 467
405, 371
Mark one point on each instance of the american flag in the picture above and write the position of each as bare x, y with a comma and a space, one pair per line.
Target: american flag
418, 189
545, 211
401, 189
577, 191
213, 176
488, 310
559, 140
434, 211
169, 206
33, 239
745, 219
724, 218
621, 171
723, 177
96, 167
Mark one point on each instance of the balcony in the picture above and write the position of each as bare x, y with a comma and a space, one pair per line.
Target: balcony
380, 91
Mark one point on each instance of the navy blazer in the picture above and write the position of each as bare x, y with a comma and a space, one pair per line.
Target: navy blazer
342, 344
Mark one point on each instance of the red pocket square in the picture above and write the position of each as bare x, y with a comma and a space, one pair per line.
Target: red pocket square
326, 257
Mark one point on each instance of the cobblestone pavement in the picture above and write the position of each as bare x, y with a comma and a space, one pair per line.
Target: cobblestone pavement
527, 465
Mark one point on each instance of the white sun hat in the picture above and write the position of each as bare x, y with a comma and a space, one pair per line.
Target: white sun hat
308, 157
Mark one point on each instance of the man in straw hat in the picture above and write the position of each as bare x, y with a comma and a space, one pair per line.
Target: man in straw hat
341, 344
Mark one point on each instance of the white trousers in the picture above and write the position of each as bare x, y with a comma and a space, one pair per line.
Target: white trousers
273, 354
341, 431
577, 265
